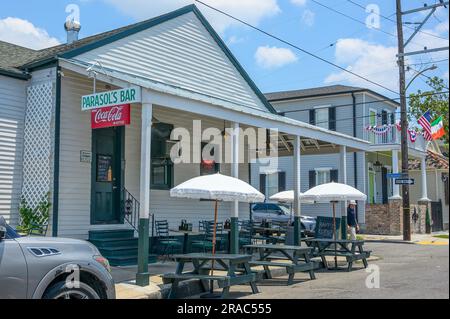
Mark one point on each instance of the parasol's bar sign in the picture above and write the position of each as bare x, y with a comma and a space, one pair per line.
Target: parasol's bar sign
111, 98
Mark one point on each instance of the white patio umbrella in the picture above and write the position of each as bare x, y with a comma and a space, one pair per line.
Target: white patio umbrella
217, 187
333, 193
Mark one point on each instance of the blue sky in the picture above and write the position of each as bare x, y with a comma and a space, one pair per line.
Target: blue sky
272, 65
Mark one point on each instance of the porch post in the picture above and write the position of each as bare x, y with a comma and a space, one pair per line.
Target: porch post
343, 180
234, 235
297, 190
423, 170
143, 276
395, 187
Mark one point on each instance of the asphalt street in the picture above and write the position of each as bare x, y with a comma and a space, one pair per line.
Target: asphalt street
405, 271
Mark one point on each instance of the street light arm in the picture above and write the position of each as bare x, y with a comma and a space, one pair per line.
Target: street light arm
433, 67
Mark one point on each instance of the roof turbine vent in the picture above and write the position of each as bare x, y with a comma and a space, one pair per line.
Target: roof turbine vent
73, 29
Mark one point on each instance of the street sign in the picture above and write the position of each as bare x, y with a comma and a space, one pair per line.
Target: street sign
404, 181
111, 98
395, 175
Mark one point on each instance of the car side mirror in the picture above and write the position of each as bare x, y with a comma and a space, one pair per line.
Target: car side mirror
280, 212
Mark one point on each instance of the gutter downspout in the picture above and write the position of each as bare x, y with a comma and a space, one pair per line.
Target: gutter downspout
56, 151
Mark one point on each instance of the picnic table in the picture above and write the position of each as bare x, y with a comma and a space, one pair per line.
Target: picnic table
186, 234
298, 259
352, 250
236, 265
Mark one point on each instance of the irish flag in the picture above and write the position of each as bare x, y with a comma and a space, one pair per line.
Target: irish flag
437, 128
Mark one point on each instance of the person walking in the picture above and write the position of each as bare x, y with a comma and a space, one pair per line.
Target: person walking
352, 223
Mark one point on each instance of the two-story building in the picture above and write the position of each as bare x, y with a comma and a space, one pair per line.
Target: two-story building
180, 74
357, 112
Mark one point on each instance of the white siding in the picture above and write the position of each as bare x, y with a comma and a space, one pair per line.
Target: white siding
12, 115
180, 53
75, 177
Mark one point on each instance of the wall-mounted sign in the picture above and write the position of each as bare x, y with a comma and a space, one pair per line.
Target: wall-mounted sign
395, 175
118, 115
85, 156
111, 98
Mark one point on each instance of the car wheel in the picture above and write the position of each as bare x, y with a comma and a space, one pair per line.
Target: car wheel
59, 290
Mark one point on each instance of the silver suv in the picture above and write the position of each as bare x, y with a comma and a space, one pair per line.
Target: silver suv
51, 268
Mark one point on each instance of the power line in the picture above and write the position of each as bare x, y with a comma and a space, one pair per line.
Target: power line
372, 102
395, 22
298, 48
351, 18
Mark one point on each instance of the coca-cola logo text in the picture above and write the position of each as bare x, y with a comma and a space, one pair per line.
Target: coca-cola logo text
111, 116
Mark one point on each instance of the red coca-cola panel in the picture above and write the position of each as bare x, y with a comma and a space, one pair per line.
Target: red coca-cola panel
118, 115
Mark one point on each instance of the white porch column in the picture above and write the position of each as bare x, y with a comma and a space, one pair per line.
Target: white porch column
343, 180
234, 235
297, 190
395, 170
423, 170
146, 132
235, 163
143, 276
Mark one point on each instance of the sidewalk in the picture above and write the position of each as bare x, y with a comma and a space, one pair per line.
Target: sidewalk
418, 239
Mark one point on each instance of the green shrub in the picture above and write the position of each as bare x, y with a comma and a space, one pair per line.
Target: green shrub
30, 216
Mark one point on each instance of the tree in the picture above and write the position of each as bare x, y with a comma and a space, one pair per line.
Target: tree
435, 100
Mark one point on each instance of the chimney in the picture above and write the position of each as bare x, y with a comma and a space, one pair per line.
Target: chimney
72, 28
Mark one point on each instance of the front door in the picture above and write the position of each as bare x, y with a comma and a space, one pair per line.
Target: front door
107, 175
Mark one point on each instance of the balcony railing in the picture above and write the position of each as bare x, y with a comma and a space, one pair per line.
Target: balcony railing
393, 136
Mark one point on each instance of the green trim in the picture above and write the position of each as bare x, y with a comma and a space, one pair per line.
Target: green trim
56, 152
142, 275
297, 231
15, 75
234, 236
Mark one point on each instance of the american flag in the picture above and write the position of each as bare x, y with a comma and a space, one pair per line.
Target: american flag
425, 122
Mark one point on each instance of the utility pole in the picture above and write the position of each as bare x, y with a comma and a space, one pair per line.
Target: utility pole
403, 105
404, 125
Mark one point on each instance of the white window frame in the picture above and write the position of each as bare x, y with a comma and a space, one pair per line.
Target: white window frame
326, 124
322, 170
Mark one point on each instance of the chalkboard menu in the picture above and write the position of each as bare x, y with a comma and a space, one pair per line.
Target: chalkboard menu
324, 227
104, 168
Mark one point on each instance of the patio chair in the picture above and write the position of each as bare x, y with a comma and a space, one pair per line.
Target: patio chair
245, 233
207, 228
165, 241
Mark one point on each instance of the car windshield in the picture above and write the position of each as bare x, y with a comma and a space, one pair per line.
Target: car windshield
286, 210
11, 233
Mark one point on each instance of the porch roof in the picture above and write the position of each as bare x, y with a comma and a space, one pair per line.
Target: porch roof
169, 96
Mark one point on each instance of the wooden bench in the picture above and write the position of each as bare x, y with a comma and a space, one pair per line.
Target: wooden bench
291, 269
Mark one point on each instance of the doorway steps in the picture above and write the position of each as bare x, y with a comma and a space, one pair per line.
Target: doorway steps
120, 247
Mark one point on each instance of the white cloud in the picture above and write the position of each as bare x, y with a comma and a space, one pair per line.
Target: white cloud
299, 2
24, 33
234, 40
252, 11
273, 57
373, 61
308, 17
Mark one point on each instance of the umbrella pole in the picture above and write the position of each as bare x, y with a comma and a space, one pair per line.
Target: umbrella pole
334, 232
214, 243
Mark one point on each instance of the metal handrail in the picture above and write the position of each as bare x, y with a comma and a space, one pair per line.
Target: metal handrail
130, 208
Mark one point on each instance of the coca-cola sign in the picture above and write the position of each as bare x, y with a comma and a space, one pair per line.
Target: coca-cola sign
118, 115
